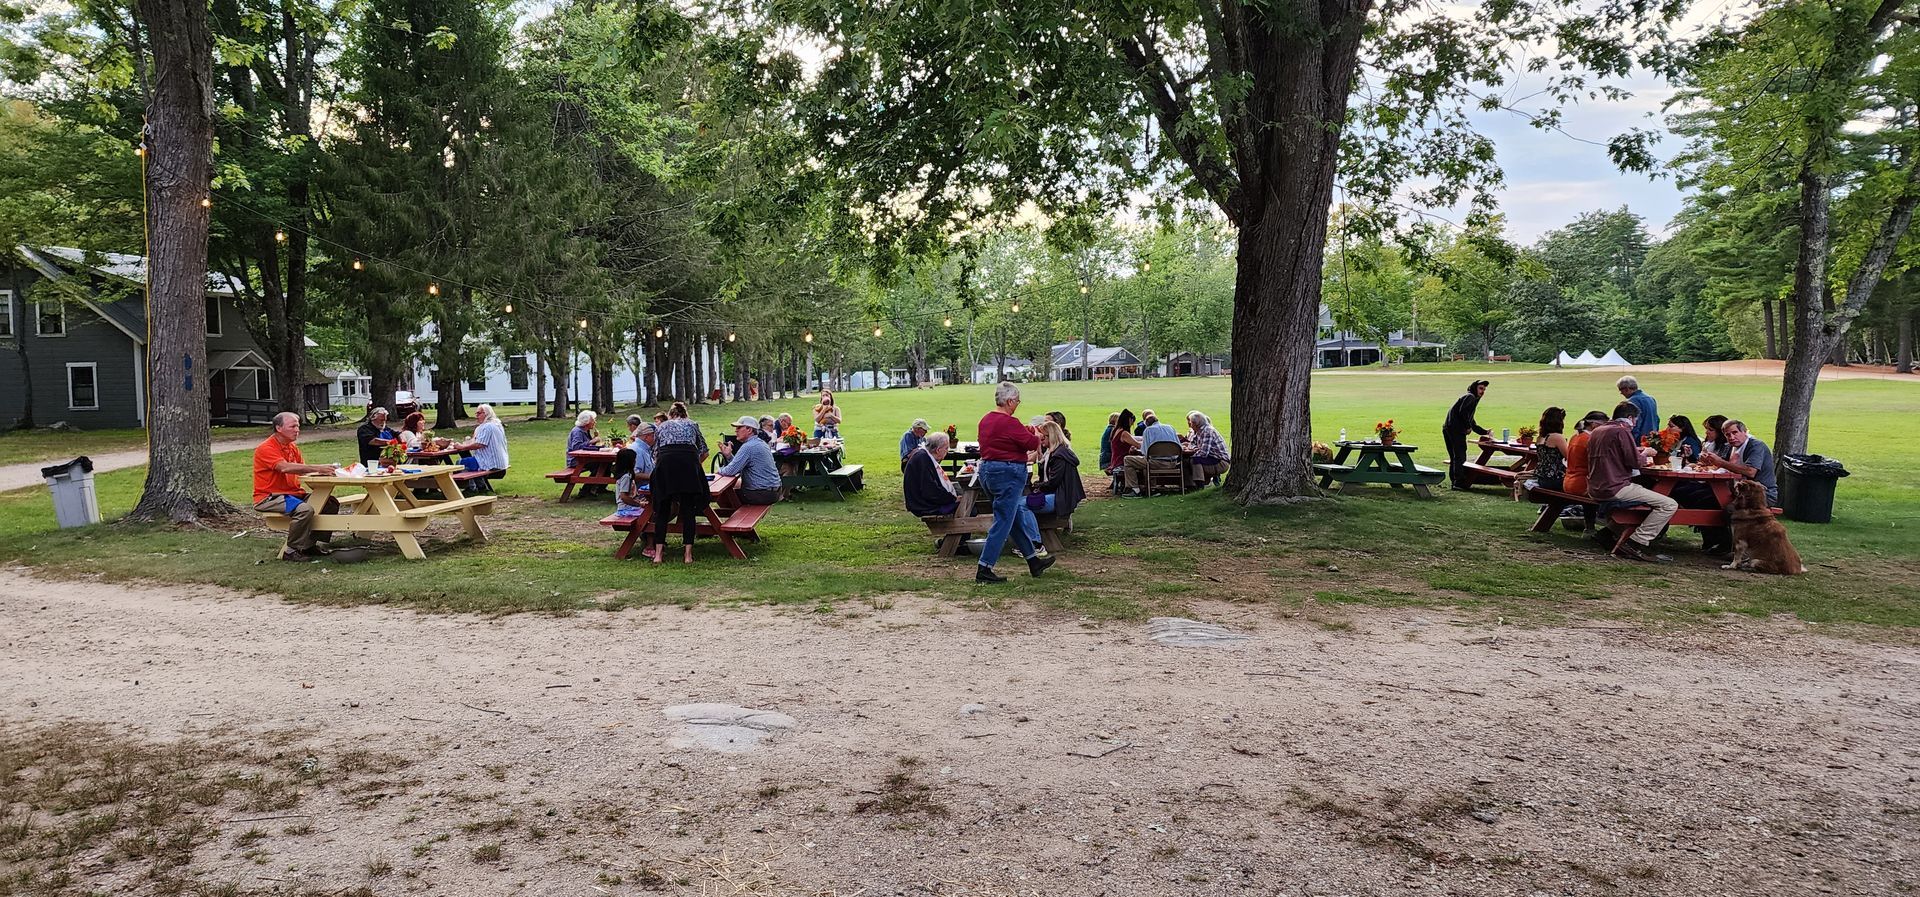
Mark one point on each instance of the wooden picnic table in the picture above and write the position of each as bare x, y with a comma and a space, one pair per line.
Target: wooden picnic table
1483, 468
390, 505
1664, 480
595, 468
1390, 464
959, 455
732, 519
970, 518
819, 466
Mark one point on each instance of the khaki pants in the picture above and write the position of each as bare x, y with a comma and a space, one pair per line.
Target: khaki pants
1663, 507
1136, 468
300, 532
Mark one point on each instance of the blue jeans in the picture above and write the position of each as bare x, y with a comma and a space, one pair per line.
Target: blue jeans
1041, 504
1006, 481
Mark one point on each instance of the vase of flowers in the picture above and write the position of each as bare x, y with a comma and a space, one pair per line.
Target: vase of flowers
1385, 431
953, 437
1527, 434
393, 456
793, 438
1662, 443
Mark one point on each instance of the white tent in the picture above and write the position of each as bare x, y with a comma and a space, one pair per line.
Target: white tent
1613, 357
1586, 358
1563, 359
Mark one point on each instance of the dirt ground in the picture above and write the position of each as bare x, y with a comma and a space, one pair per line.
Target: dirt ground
1404, 753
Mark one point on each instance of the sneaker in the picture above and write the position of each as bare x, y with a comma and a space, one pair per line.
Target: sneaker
1038, 563
1634, 551
295, 555
984, 573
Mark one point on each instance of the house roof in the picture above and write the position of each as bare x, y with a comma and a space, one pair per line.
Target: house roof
130, 268
1068, 355
232, 358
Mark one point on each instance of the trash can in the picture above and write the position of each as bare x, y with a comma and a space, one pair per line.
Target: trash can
1806, 487
72, 487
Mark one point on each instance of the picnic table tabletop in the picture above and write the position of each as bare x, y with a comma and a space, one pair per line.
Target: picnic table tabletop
439, 454
1664, 480
722, 491
1379, 463
392, 507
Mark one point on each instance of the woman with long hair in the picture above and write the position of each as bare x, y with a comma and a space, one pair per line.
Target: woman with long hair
1690, 445
413, 432
1124, 442
678, 484
826, 417
1059, 490
1550, 452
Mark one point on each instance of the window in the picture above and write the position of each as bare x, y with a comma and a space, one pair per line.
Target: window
477, 384
6, 314
83, 391
51, 318
213, 316
349, 387
517, 372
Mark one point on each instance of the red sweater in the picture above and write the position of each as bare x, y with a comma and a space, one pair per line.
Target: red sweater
1004, 438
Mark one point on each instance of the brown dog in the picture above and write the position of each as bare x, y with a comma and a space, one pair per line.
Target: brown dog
1759, 542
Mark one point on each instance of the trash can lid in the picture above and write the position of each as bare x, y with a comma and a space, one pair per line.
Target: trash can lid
83, 462
1814, 465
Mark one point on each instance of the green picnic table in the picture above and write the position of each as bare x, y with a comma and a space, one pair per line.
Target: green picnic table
819, 466
1390, 464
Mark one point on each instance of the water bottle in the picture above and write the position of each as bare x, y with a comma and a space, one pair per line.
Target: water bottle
1343, 434
1506, 435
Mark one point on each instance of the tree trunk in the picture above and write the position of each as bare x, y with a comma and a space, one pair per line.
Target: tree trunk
1766, 324
179, 169
1903, 343
559, 365
25, 421
539, 386
449, 405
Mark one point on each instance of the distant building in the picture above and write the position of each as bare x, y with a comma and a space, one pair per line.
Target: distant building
1188, 364
1344, 348
1103, 362
87, 356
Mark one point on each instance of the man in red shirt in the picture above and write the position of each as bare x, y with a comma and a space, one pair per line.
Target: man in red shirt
277, 468
1613, 459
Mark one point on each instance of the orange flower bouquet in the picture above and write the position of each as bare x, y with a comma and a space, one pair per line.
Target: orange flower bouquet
1386, 430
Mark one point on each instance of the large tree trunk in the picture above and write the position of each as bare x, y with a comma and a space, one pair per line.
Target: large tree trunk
449, 405
179, 169
1766, 324
539, 386
1903, 346
25, 421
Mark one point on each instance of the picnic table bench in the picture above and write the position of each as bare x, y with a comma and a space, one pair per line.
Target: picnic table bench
1663, 480
390, 506
821, 467
595, 469
1377, 463
1483, 468
729, 520
966, 520
469, 480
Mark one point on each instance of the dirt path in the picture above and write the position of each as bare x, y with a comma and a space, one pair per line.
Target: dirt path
1408, 755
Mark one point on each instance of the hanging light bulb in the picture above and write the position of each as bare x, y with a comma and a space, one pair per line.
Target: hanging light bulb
359, 265
206, 202
280, 236
140, 150
729, 336
1016, 308
1146, 266
947, 321
808, 337
659, 332
509, 308
876, 330
583, 323
1083, 289
433, 289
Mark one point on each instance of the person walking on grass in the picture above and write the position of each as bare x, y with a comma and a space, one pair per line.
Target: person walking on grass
1460, 419
1648, 409
1004, 446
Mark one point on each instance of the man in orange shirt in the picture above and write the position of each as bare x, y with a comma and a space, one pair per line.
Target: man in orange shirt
277, 468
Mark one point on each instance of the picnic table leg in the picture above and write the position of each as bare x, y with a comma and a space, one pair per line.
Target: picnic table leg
1421, 490
950, 544
566, 494
726, 538
471, 523
1050, 540
1549, 513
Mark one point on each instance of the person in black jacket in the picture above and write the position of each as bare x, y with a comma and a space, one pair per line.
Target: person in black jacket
928, 491
370, 436
1059, 490
1454, 432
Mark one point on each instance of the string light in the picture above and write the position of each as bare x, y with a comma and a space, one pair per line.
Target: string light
729, 336
808, 337
659, 332
206, 202
876, 330
1016, 308
1083, 289
1146, 266
359, 265
947, 322
583, 323
509, 308
280, 236
433, 289
140, 150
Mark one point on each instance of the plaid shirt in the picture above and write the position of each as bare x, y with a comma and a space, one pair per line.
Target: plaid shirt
1207, 443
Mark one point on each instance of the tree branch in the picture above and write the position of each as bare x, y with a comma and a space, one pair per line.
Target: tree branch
1172, 107
1860, 286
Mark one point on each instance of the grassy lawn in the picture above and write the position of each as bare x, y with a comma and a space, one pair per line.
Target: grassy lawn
1470, 554
46, 446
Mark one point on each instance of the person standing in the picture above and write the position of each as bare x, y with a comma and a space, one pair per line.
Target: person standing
277, 468
1460, 419
1649, 410
677, 481
1614, 457
1004, 445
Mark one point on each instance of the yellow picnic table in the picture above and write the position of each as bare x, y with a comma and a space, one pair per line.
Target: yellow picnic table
390, 505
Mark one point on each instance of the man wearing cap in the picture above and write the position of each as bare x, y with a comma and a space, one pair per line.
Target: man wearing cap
912, 439
642, 452
751, 460
1454, 432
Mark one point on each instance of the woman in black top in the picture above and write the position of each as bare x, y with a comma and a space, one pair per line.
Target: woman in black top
1059, 490
677, 480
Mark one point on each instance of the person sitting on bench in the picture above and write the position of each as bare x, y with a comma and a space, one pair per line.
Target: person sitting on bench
488, 444
277, 468
1614, 461
929, 493
752, 461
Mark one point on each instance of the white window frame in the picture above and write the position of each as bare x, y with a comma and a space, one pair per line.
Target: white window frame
262, 382
63, 320
13, 329
95, 368
213, 319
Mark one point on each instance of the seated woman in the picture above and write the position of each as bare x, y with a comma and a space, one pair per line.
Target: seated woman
928, 491
1578, 466
1209, 448
1690, 445
1124, 442
581, 438
752, 461
413, 431
1059, 490
629, 494
1550, 452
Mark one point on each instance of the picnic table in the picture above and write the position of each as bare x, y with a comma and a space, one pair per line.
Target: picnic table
1377, 463
476, 478
731, 519
595, 468
390, 506
819, 466
1664, 480
1484, 470
972, 516
959, 455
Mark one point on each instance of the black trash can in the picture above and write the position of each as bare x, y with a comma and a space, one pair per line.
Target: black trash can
1806, 487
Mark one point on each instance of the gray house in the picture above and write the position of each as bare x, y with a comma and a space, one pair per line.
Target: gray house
83, 352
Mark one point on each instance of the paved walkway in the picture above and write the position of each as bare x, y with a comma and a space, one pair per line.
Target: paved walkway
21, 476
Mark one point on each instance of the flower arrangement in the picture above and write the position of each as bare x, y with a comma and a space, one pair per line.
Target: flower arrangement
1322, 453
953, 436
792, 437
1386, 430
1527, 434
1662, 441
393, 455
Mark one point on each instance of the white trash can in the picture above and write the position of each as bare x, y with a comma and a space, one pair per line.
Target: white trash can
72, 487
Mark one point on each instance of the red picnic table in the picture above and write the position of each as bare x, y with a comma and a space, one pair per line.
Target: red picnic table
1482, 469
451, 455
1663, 480
594, 468
732, 519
